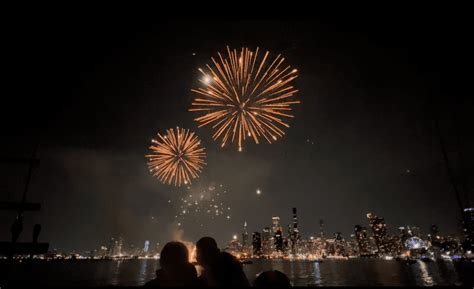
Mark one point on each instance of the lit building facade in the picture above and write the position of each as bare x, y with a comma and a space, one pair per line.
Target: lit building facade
379, 230
362, 240
257, 244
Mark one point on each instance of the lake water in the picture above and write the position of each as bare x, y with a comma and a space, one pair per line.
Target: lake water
352, 272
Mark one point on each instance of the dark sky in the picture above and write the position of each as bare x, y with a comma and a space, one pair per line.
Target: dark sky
93, 94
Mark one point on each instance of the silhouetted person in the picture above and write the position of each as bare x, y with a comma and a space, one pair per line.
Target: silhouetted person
220, 268
17, 227
272, 279
36, 232
175, 267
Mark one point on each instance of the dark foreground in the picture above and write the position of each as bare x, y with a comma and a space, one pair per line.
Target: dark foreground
352, 272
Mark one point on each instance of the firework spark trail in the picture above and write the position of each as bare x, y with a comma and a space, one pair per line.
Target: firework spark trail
245, 95
177, 157
203, 203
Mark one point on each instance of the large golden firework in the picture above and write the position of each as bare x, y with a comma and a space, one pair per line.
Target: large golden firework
245, 95
177, 157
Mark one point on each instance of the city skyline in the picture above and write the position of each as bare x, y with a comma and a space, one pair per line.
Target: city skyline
374, 229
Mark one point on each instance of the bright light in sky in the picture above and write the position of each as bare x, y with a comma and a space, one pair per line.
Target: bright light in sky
259, 191
235, 237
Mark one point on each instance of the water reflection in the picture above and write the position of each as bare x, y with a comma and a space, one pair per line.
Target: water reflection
142, 276
426, 278
317, 274
450, 273
292, 270
116, 273
329, 273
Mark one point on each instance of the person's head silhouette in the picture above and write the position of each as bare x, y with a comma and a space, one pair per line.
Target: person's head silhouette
173, 255
272, 279
206, 251
175, 267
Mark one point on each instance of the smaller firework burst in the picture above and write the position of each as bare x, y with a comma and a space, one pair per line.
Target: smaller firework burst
177, 157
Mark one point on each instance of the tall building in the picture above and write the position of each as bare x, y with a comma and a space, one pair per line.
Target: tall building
103, 251
146, 246
245, 240
415, 231
352, 246
275, 224
339, 244
119, 246
290, 232
295, 222
278, 241
294, 234
257, 244
362, 240
267, 241
111, 248
468, 229
321, 228
404, 233
329, 246
379, 230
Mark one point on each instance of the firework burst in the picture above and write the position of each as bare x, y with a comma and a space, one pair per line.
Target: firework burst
177, 157
245, 95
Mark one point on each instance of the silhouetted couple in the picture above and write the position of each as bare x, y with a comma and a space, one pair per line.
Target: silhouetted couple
219, 268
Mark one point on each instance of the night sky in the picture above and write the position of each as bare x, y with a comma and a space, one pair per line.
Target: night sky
93, 94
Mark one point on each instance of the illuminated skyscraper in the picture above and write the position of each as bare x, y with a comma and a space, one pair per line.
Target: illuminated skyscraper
275, 224
468, 229
245, 240
278, 241
257, 244
111, 248
294, 234
266, 241
339, 244
404, 233
119, 247
146, 246
362, 240
379, 229
321, 228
